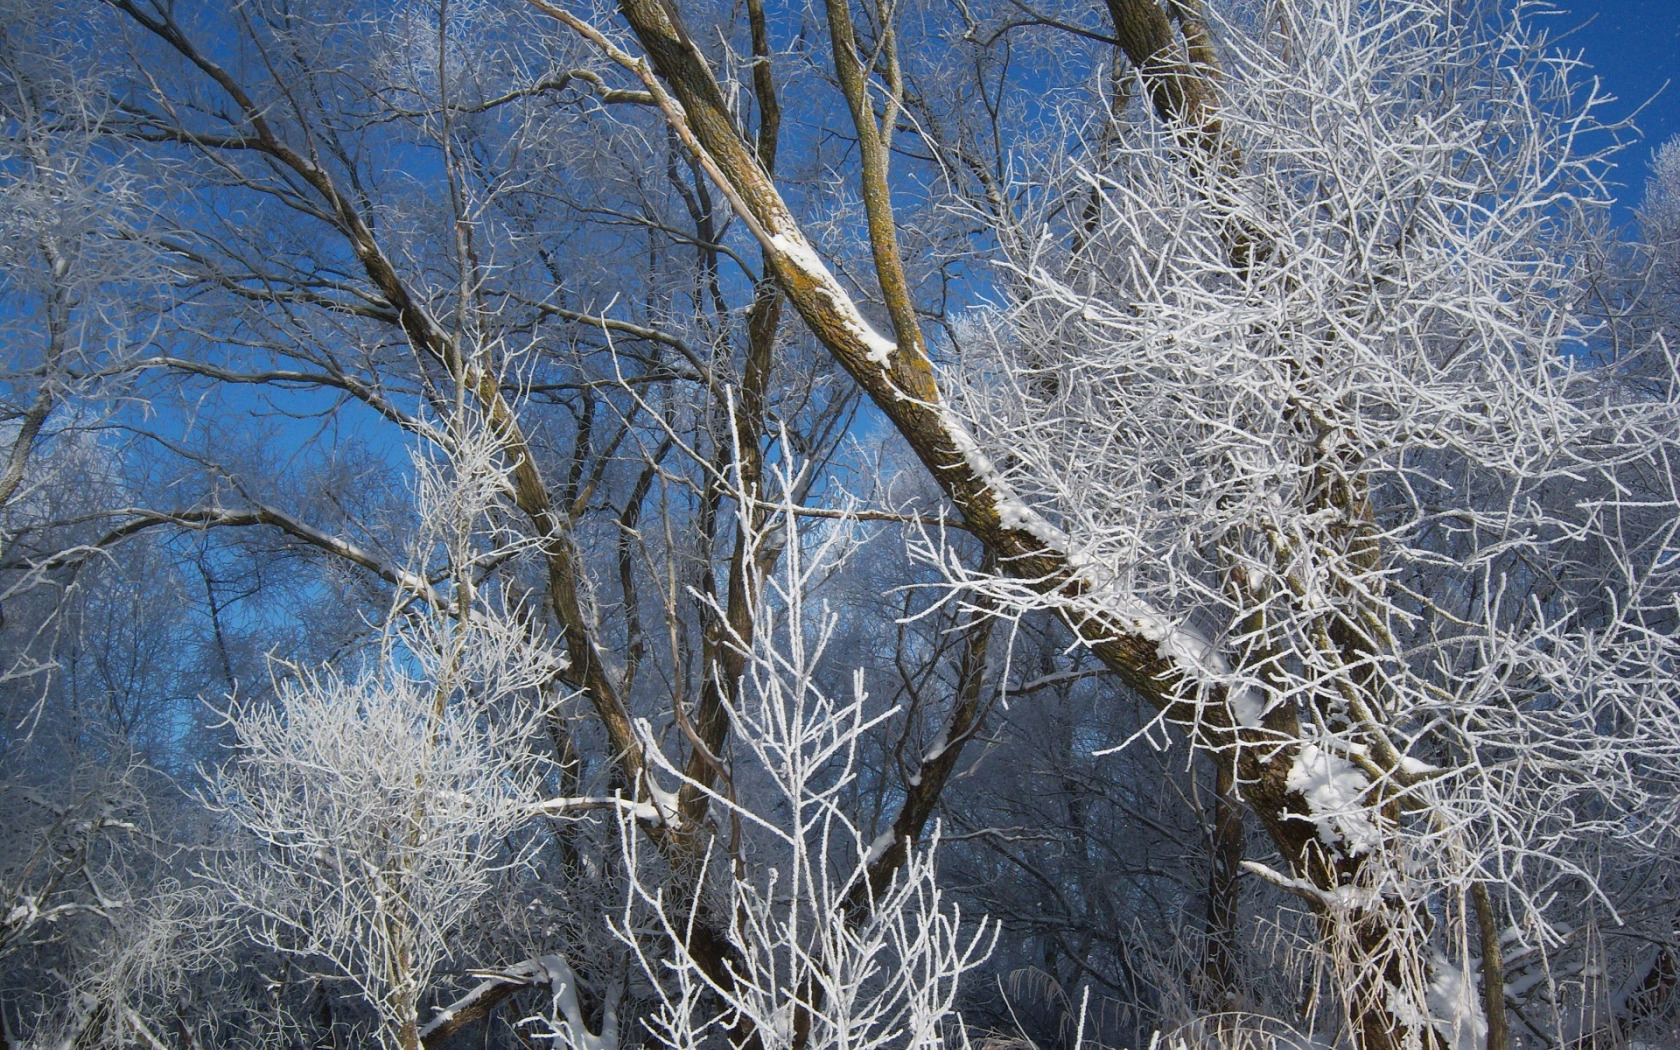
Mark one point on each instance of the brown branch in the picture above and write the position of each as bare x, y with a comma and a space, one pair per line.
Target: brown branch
559, 83
362, 391
1493, 969
144, 519
898, 377
24, 443
1182, 93
933, 771
874, 151
484, 997
1225, 860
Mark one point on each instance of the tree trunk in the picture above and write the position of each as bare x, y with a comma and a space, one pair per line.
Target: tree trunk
1219, 968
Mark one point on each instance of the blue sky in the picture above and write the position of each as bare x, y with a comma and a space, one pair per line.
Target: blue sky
1634, 48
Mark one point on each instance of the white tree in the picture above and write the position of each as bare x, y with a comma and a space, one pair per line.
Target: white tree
1321, 433
1659, 231
377, 802
822, 957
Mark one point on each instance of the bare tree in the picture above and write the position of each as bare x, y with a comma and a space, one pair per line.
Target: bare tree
825, 953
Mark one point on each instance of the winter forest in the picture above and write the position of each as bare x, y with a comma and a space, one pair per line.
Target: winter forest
833, 525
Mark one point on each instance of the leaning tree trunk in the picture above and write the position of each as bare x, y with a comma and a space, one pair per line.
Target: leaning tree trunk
1376, 938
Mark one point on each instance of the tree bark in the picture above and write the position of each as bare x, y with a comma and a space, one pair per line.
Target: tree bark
1493, 969
1224, 892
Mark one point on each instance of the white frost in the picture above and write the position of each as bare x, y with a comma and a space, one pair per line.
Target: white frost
1334, 789
879, 847
1012, 511
797, 251
936, 750
22, 914
1248, 707
1191, 650
669, 814
1455, 1008
661, 807
565, 1020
